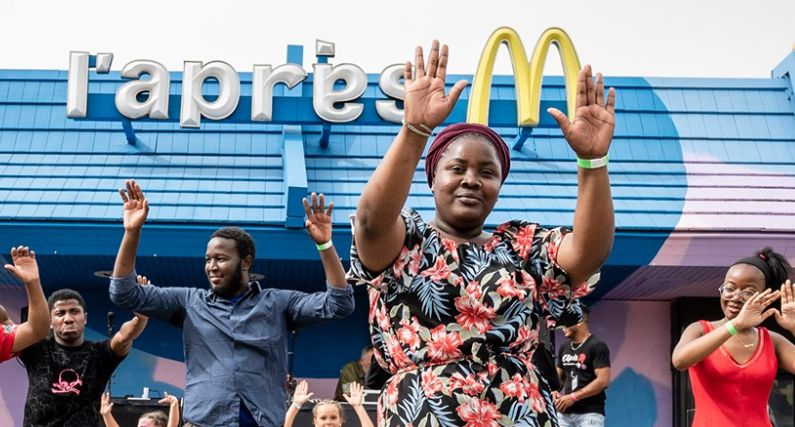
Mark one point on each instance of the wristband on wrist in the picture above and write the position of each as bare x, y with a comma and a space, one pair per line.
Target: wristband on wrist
425, 131
593, 163
573, 396
297, 405
730, 327
323, 246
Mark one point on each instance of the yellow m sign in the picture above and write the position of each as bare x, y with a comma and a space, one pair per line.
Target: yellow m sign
527, 75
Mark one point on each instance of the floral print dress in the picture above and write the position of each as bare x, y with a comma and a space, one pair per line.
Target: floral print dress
457, 324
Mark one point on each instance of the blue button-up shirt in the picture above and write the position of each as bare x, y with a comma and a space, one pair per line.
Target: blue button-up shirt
233, 351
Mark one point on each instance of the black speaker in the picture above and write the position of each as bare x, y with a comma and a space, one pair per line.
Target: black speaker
127, 411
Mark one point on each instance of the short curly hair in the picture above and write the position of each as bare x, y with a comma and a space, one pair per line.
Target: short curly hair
244, 243
66, 294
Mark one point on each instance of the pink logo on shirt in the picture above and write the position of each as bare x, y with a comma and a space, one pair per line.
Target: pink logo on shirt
63, 386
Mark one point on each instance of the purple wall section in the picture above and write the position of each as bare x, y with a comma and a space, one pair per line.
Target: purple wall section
637, 333
13, 389
13, 379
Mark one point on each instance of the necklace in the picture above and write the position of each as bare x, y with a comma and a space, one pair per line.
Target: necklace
577, 347
753, 340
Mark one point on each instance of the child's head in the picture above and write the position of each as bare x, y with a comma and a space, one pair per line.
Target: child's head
153, 419
327, 413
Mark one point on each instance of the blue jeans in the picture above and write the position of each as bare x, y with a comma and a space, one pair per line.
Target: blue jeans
591, 419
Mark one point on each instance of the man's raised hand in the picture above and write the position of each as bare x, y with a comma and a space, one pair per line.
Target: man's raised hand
25, 267
136, 207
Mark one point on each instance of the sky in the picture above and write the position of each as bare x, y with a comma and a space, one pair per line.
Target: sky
674, 38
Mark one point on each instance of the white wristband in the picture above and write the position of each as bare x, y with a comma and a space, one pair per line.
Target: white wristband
296, 405
323, 246
593, 163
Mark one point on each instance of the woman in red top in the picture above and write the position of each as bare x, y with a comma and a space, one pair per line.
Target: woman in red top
732, 362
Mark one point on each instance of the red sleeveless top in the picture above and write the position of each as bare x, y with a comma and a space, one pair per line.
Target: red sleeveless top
730, 394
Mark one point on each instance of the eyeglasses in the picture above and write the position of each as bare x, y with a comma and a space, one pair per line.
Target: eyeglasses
729, 293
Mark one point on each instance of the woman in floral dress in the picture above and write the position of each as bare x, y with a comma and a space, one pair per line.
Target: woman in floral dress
454, 309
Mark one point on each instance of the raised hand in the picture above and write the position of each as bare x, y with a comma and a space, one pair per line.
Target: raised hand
425, 101
355, 396
136, 207
132, 328
590, 133
105, 405
170, 399
753, 312
786, 318
302, 394
25, 267
318, 218
122, 341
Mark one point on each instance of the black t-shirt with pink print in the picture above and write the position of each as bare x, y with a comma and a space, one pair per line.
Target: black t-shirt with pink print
580, 362
65, 384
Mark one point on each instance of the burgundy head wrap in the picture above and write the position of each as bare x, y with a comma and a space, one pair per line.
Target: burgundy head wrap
450, 133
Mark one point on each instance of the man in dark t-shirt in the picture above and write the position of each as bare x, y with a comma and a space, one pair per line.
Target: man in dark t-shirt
584, 369
66, 373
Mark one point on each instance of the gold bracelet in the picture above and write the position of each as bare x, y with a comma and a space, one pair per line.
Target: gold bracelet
411, 127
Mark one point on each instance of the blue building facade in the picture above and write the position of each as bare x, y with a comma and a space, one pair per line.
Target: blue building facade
701, 170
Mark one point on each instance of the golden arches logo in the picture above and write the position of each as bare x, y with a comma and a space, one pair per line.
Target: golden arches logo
527, 75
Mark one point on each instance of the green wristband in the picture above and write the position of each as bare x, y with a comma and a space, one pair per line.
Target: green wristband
593, 163
324, 246
730, 327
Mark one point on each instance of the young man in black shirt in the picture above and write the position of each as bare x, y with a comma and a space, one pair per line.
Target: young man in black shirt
584, 369
66, 373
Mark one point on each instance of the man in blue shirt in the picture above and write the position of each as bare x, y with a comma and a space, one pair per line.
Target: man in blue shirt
235, 334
